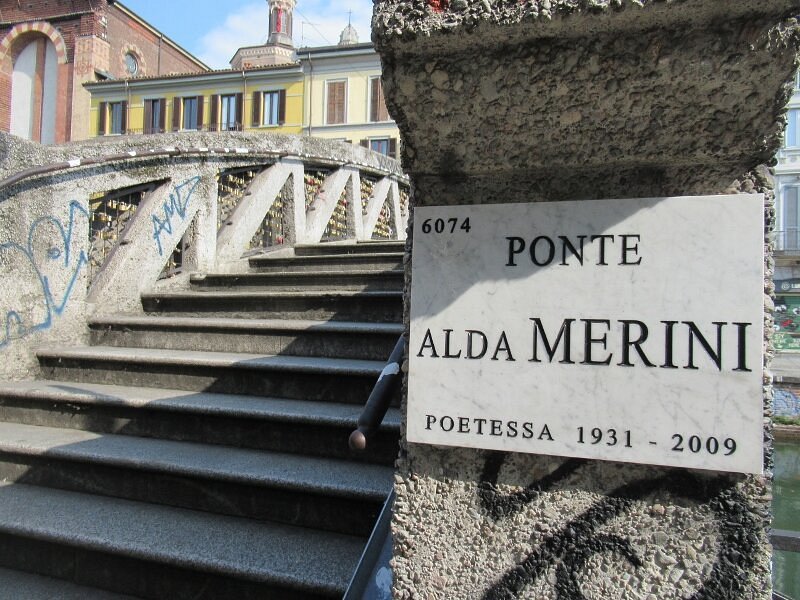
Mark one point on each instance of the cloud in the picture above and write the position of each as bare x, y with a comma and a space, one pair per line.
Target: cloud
247, 26
316, 23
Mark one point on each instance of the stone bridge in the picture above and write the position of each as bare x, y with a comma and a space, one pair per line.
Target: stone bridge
87, 227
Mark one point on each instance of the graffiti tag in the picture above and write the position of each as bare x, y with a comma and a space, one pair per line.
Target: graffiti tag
38, 267
178, 202
569, 549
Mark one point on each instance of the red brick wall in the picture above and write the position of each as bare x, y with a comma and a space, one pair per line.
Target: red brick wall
35, 10
122, 33
125, 34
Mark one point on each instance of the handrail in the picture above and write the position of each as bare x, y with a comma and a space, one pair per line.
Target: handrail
375, 557
174, 151
379, 399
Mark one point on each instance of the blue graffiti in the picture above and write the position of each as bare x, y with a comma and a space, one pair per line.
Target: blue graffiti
40, 261
178, 202
785, 404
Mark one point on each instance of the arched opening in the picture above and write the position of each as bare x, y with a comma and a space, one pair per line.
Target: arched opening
34, 90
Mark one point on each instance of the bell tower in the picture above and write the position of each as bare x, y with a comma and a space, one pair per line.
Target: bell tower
280, 22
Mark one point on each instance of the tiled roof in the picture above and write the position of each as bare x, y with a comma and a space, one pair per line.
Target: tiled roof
172, 76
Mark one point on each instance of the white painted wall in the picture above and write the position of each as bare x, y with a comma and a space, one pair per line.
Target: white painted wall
22, 92
22, 82
50, 95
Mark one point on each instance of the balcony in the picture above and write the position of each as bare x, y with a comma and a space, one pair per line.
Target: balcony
787, 242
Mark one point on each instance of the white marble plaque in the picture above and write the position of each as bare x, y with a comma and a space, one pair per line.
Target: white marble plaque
624, 330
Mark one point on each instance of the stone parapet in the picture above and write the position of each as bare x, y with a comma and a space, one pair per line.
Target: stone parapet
533, 101
580, 99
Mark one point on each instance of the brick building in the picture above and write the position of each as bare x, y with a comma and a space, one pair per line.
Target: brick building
50, 48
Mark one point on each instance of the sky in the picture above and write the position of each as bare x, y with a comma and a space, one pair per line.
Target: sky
214, 30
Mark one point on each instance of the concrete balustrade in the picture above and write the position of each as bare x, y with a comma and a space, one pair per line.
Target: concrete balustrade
45, 209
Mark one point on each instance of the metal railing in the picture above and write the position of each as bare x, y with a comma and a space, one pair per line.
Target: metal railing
379, 399
788, 241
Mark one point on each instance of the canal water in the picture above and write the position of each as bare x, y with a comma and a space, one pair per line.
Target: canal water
786, 515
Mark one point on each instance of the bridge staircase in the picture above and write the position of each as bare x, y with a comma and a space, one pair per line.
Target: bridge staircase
199, 450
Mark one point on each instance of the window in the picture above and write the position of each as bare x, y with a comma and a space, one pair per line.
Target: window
131, 64
791, 137
115, 114
154, 115
190, 113
269, 108
336, 97
112, 118
187, 113
377, 105
381, 146
387, 146
789, 235
228, 114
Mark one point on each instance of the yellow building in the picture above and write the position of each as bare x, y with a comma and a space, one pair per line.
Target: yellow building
265, 98
344, 99
332, 92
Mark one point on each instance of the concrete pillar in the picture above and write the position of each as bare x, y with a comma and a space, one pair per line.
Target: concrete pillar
539, 101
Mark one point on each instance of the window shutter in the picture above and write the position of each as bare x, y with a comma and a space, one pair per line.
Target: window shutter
124, 126
365, 143
162, 115
102, 109
336, 95
176, 114
148, 116
281, 107
256, 109
393, 147
239, 111
373, 98
200, 103
214, 122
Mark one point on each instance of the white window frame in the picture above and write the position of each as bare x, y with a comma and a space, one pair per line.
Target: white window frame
276, 108
184, 99
792, 133
110, 116
225, 125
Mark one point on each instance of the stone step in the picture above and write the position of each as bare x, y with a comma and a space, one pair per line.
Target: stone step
373, 307
361, 281
156, 551
349, 248
310, 428
370, 341
327, 262
295, 377
322, 493
27, 586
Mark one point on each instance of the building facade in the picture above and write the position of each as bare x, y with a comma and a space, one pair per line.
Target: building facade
265, 99
787, 237
50, 48
332, 92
